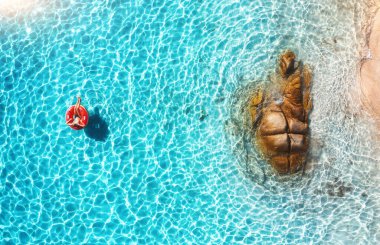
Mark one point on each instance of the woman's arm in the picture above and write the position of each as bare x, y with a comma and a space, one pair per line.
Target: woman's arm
81, 124
70, 121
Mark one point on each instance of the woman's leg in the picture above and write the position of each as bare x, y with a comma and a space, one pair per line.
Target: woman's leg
76, 108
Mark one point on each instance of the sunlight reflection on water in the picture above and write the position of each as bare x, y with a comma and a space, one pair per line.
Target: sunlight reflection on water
15, 7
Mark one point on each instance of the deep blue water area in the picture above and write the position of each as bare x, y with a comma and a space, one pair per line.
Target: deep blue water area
156, 164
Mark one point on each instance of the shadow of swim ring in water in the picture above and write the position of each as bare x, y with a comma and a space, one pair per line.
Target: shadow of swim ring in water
97, 127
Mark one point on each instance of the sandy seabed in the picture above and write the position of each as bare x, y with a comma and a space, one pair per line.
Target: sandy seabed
369, 67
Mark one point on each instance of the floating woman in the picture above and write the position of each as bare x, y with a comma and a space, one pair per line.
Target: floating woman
77, 116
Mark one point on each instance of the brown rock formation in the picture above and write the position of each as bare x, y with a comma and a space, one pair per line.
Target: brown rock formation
281, 124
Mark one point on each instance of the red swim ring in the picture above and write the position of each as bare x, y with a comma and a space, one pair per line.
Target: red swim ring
70, 114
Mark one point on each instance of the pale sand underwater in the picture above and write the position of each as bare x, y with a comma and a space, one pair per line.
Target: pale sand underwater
369, 70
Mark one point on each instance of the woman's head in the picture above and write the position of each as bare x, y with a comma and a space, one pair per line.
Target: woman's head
76, 120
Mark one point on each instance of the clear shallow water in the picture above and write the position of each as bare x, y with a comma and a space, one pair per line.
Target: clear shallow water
159, 171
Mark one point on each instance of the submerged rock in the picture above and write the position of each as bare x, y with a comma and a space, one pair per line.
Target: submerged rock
280, 118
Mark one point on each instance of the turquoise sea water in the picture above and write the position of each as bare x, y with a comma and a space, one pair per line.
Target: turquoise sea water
160, 162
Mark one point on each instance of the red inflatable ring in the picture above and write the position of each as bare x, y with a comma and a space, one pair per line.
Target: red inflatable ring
70, 117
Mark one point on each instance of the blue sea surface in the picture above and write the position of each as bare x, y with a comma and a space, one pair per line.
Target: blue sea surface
157, 164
